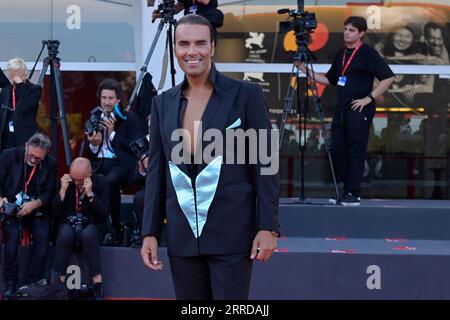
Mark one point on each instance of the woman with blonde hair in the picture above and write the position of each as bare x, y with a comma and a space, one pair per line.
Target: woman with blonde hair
19, 100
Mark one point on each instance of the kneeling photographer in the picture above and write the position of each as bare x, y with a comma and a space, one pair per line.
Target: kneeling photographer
27, 186
80, 210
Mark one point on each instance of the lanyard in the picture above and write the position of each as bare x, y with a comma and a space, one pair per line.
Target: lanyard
14, 96
27, 182
344, 68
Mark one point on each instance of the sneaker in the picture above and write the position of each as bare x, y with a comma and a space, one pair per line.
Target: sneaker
350, 200
334, 200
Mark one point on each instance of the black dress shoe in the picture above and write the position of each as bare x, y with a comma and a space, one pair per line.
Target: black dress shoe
10, 290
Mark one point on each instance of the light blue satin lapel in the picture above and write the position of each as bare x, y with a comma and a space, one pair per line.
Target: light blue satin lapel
185, 194
206, 186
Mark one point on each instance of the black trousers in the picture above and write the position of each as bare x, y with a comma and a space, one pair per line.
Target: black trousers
116, 175
39, 229
90, 241
138, 201
350, 136
224, 277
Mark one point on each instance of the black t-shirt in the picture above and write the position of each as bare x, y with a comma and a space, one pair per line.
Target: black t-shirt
366, 65
209, 11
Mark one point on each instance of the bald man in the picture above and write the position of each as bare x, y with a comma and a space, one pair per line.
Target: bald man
81, 209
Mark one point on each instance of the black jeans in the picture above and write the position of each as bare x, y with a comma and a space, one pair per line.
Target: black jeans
350, 135
116, 175
90, 241
39, 229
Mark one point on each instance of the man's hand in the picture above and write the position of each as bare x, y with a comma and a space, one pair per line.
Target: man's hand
95, 139
301, 66
3, 201
17, 76
156, 15
28, 207
65, 181
87, 185
360, 103
149, 254
108, 124
264, 245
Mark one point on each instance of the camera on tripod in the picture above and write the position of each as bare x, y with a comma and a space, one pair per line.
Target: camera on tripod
77, 221
303, 23
140, 146
52, 47
167, 9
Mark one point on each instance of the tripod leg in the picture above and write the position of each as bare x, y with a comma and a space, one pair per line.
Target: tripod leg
144, 67
319, 111
172, 64
287, 106
59, 96
45, 65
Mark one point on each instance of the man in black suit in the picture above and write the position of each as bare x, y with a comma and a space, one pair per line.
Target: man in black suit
27, 183
20, 103
220, 215
80, 210
109, 148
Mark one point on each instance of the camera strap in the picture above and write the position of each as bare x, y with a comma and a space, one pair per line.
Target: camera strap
27, 182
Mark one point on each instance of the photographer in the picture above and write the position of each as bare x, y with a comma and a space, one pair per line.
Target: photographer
27, 186
109, 148
81, 209
206, 8
353, 71
20, 101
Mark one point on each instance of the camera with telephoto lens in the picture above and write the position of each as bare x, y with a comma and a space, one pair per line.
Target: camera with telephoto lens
93, 123
167, 9
77, 221
9, 210
140, 146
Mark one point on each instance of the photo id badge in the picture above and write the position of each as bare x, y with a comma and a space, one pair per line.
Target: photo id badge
193, 9
11, 126
342, 81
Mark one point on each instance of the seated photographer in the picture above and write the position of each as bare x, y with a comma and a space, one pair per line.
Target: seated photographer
206, 8
20, 102
80, 210
110, 132
27, 187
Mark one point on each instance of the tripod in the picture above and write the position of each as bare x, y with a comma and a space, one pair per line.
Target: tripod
55, 92
303, 54
169, 20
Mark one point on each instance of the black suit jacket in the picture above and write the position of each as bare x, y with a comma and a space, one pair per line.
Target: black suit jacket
11, 169
244, 202
97, 211
24, 119
126, 132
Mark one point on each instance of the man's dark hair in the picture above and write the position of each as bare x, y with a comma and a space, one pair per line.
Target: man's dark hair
195, 19
359, 23
110, 84
431, 26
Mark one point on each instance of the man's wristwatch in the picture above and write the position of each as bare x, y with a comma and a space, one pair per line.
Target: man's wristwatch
371, 97
90, 196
